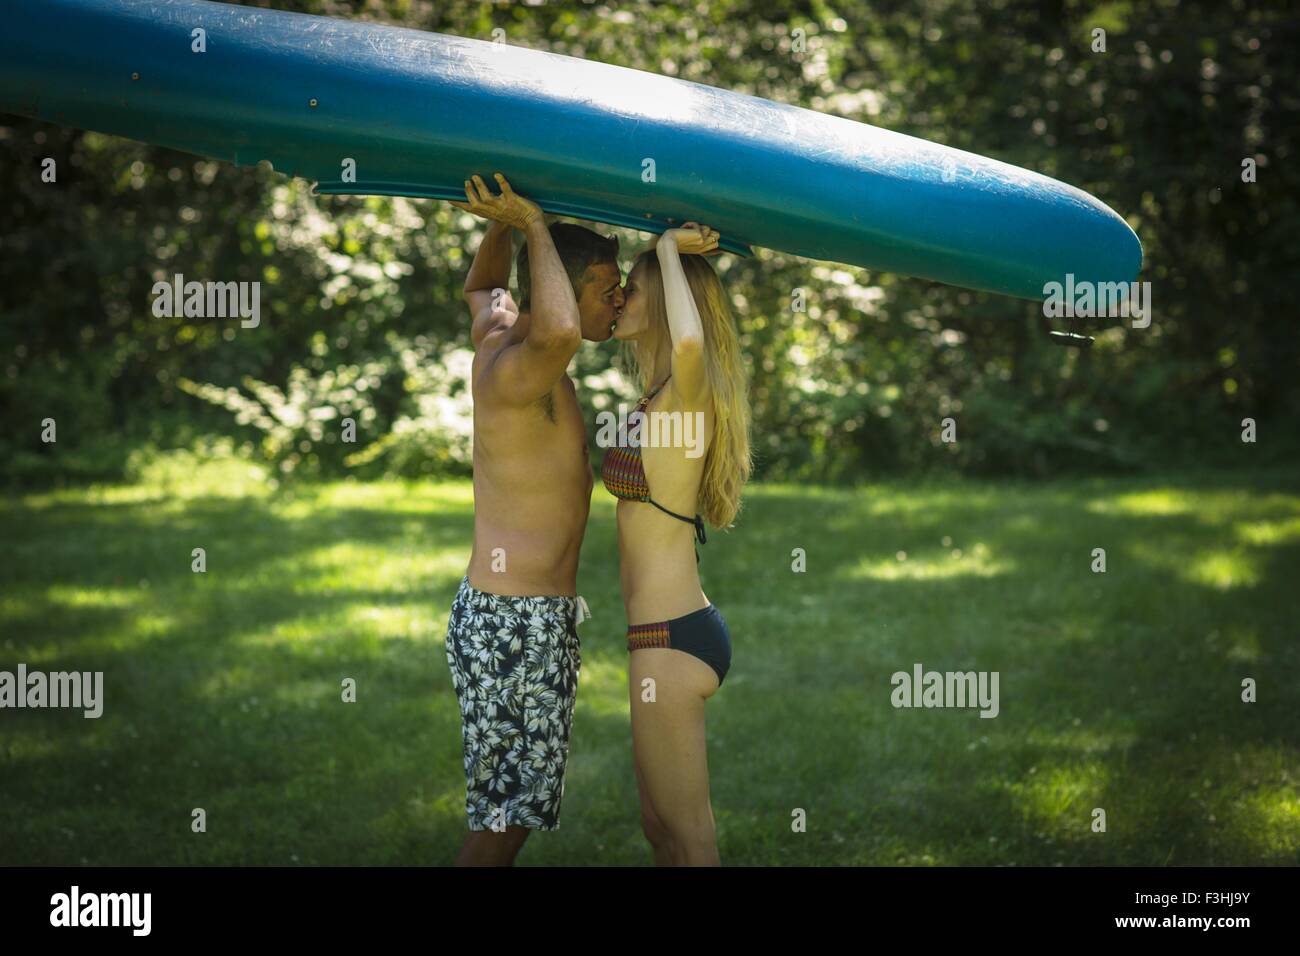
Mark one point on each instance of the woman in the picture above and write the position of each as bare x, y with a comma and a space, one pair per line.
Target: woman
683, 349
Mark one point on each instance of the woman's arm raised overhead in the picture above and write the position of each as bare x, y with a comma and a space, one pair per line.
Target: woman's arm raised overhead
684, 323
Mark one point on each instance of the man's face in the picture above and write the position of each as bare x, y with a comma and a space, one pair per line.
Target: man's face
632, 316
601, 301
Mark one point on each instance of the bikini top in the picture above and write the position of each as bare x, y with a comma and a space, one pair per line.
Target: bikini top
623, 474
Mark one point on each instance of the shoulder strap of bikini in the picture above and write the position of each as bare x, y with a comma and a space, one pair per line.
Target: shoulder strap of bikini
659, 389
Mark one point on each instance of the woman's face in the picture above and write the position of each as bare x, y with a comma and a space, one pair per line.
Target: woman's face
632, 321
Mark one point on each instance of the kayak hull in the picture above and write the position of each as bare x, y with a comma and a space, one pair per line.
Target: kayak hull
362, 108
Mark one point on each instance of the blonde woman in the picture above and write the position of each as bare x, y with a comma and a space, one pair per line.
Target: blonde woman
681, 340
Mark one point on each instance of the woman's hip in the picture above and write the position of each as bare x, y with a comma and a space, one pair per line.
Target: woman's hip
702, 633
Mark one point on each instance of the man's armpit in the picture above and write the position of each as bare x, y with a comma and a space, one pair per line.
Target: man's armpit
488, 353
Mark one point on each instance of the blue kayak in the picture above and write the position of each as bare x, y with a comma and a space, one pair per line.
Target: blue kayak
366, 109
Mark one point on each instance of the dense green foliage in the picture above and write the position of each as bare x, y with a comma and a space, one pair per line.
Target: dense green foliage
364, 317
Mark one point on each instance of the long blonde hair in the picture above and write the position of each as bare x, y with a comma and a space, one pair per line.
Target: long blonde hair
727, 464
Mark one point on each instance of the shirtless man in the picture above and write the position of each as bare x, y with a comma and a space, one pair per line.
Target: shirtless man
512, 643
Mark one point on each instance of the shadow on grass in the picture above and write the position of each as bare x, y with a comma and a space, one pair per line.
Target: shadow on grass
1118, 690
224, 688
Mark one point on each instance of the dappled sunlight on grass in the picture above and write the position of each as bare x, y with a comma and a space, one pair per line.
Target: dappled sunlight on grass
153, 624
108, 495
146, 627
880, 501
1268, 533
1223, 570
887, 499
229, 479
978, 562
602, 686
1059, 800
1269, 818
1215, 568
360, 624
351, 564
405, 622
1208, 505
1120, 689
425, 498
378, 568
1157, 501
92, 597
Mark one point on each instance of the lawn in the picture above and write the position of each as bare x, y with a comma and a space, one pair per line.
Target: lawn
1118, 690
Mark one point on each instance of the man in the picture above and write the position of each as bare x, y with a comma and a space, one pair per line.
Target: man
512, 642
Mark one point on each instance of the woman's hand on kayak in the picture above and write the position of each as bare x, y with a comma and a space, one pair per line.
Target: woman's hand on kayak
509, 208
693, 239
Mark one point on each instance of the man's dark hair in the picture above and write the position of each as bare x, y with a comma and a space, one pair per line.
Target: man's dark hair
579, 249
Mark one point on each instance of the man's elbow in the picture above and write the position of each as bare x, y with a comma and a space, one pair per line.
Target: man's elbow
555, 327
561, 338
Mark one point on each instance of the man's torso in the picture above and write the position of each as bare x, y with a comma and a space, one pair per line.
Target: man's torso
532, 490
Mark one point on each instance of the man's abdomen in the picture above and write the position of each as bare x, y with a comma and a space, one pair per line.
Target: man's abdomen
528, 533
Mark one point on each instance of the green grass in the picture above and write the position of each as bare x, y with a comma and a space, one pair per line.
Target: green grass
1118, 690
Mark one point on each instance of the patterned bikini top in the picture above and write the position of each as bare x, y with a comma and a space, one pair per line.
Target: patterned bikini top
623, 473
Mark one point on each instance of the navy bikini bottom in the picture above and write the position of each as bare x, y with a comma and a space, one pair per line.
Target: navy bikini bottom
701, 633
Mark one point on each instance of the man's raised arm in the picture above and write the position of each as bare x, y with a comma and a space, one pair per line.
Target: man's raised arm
523, 371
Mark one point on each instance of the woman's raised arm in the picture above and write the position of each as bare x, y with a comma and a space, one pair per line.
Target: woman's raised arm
684, 323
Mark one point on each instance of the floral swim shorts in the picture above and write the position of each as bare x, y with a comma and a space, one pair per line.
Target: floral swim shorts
514, 664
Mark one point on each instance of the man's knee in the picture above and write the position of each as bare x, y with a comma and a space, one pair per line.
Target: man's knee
492, 847
510, 836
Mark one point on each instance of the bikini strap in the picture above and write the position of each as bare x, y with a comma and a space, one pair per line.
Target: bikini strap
697, 521
657, 390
